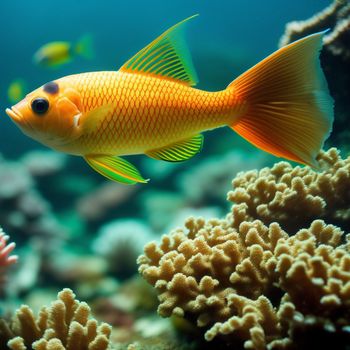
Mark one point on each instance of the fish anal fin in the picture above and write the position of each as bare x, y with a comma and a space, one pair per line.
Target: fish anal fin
178, 151
167, 56
115, 169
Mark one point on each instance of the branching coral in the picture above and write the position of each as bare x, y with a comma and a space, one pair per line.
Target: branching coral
5, 250
256, 285
294, 196
335, 17
241, 284
65, 325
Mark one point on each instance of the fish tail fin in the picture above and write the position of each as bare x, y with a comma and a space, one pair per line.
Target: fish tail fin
84, 47
289, 111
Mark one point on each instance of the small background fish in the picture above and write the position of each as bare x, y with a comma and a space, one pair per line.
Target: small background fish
56, 53
16, 91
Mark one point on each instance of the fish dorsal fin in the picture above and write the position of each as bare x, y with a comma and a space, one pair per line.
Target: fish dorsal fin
178, 151
115, 168
167, 56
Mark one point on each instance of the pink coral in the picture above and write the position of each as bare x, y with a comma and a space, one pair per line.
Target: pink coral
5, 250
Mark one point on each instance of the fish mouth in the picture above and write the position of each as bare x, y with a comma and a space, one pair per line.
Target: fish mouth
14, 114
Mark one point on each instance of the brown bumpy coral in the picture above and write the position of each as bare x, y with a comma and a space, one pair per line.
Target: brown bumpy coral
65, 325
256, 285
335, 59
335, 17
295, 196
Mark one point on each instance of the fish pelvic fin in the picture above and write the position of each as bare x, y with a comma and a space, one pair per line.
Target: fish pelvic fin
167, 56
289, 109
115, 168
178, 151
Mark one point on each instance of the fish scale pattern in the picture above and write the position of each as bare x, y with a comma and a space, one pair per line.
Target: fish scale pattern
138, 112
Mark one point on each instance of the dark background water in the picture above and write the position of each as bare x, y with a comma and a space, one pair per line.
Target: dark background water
241, 32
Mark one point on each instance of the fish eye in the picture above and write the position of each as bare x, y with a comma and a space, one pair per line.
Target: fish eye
40, 105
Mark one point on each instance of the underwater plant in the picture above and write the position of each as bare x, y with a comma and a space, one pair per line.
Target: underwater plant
65, 325
254, 284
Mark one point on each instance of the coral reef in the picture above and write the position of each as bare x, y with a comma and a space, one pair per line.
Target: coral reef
284, 192
332, 17
96, 204
251, 285
184, 213
256, 284
120, 242
335, 59
5, 258
42, 163
219, 169
23, 210
160, 207
26, 273
65, 325
73, 267
29, 217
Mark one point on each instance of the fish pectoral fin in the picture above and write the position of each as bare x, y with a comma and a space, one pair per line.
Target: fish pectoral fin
167, 56
115, 169
92, 119
178, 151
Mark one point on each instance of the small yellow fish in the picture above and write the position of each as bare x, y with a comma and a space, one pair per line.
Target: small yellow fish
17, 90
281, 105
57, 53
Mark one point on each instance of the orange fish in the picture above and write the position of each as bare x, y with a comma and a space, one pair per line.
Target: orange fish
149, 106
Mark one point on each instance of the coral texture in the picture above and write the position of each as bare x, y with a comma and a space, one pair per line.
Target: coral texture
335, 17
23, 210
65, 325
120, 242
260, 286
5, 258
284, 192
218, 171
251, 284
335, 59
